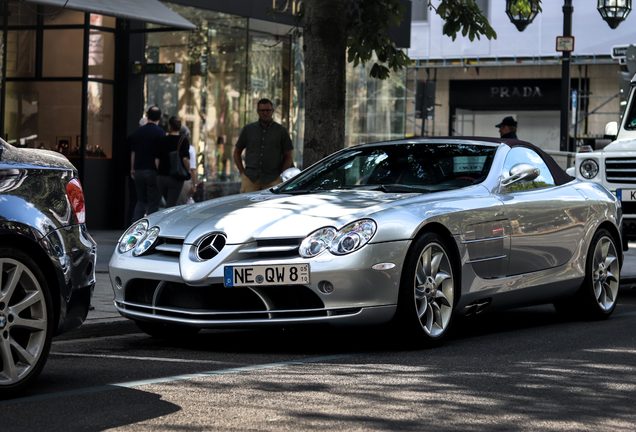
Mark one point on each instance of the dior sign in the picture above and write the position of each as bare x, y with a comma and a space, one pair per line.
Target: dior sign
524, 92
292, 7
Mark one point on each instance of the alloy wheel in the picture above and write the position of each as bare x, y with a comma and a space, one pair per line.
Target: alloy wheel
434, 289
605, 273
23, 322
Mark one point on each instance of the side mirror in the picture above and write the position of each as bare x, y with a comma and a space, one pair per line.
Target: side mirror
521, 172
289, 173
571, 171
611, 130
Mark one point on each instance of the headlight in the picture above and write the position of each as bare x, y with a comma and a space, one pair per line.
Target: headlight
339, 242
147, 242
133, 236
589, 168
353, 237
317, 242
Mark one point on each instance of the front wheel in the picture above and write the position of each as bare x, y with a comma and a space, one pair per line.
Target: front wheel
26, 321
427, 291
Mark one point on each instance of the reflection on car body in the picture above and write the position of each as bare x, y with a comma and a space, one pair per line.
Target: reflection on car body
47, 260
411, 231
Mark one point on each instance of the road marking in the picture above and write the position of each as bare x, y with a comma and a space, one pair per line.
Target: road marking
123, 357
163, 380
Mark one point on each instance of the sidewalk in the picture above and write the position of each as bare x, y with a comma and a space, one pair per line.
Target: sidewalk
105, 312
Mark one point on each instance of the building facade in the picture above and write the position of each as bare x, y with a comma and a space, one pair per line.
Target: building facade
465, 87
78, 76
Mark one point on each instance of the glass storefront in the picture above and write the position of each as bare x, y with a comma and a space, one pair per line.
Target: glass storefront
62, 90
225, 67
44, 85
376, 109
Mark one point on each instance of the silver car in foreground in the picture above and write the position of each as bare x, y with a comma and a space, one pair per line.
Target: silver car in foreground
411, 232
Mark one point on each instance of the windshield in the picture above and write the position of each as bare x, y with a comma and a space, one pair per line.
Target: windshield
413, 167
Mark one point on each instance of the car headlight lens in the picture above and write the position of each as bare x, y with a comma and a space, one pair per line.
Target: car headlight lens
146, 243
353, 236
339, 242
133, 236
589, 168
317, 242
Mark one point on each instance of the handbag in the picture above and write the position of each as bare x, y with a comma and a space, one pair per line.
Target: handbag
177, 169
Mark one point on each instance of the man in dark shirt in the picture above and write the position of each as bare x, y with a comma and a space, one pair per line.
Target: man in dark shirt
268, 150
507, 128
144, 145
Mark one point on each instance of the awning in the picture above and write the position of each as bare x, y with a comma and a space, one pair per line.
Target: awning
152, 11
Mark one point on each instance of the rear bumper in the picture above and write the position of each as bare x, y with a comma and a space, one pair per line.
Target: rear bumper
72, 252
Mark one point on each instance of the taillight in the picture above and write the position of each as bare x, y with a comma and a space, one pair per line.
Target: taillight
75, 196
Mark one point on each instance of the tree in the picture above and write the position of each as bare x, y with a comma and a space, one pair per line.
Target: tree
360, 28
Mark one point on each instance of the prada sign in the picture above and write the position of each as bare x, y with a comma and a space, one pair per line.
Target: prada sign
495, 94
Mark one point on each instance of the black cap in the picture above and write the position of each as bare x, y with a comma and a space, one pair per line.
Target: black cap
507, 121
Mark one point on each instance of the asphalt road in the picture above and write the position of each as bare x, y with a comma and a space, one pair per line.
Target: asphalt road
527, 369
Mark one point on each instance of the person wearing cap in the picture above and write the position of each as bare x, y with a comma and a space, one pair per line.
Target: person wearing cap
508, 128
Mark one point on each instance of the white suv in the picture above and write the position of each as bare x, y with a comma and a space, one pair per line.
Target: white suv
615, 165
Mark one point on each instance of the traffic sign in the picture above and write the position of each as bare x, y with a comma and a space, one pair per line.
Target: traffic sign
619, 51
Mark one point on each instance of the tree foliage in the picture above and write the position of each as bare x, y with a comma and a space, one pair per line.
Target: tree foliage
361, 28
369, 23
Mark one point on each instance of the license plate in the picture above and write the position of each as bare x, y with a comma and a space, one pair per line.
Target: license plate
281, 274
626, 194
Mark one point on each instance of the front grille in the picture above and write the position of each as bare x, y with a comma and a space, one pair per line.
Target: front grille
271, 248
628, 207
167, 246
216, 303
620, 170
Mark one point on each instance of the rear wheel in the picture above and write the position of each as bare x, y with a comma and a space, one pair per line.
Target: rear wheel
166, 331
26, 321
602, 277
427, 291
596, 299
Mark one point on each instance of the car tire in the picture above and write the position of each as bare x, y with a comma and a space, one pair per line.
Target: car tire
596, 299
428, 289
166, 331
599, 291
26, 321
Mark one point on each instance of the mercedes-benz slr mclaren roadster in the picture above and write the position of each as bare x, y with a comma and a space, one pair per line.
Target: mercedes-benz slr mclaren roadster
409, 232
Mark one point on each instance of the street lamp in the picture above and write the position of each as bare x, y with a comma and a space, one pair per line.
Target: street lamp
614, 11
521, 16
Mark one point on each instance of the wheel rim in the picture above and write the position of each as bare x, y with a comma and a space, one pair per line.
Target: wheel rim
434, 290
605, 273
23, 323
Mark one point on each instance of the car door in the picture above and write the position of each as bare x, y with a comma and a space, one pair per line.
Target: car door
546, 220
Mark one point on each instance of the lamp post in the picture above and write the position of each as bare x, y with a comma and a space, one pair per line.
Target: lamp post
565, 80
523, 12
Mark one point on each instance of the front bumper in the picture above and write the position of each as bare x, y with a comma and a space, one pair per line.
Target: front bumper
154, 288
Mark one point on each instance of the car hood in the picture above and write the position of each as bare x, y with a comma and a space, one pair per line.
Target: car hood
266, 215
33, 157
621, 145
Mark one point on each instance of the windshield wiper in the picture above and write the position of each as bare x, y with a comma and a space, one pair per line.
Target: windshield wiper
394, 188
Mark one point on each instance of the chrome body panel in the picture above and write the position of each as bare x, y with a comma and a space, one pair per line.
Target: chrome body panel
35, 213
513, 248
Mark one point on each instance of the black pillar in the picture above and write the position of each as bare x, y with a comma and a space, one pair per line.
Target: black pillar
565, 80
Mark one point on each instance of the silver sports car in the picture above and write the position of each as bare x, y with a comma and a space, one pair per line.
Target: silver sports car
411, 232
